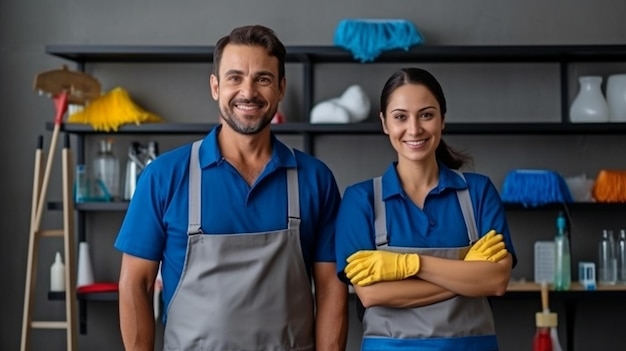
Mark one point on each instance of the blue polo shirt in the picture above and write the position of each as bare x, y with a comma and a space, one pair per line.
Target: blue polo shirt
155, 225
439, 224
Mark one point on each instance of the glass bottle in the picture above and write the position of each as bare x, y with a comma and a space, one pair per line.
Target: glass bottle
607, 262
621, 257
106, 173
562, 267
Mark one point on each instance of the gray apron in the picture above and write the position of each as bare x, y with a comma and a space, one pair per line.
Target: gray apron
455, 317
247, 291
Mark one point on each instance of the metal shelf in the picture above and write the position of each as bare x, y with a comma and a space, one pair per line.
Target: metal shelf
571, 206
93, 206
372, 128
335, 54
101, 296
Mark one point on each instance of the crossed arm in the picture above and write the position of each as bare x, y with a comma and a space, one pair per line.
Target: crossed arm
439, 279
383, 278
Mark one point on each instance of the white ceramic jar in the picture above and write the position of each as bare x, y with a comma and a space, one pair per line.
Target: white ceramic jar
616, 97
589, 106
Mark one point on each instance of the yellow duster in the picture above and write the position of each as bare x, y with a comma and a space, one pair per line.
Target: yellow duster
112, 110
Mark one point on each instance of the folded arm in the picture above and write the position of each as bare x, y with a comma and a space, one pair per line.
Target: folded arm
468, 278
402, 293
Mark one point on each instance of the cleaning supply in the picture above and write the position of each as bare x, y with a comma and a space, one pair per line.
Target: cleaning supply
368, 38
546, 338
367, 267
139, 156
607, 262
57, 274
542, 340
562, 261
535, 187
85, 269
106, 172
351, 107
488, 248
621, 257
610, 186
112, 110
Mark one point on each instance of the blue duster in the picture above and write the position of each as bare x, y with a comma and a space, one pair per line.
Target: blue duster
534, 188
368, 38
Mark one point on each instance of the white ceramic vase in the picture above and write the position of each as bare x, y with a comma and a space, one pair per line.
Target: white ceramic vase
616, 97
589, 106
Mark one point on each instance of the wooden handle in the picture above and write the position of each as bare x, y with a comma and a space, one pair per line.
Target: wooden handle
544, 297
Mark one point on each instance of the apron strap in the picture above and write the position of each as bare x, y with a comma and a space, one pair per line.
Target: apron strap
468, 210
195, 186
293, 196
380, 216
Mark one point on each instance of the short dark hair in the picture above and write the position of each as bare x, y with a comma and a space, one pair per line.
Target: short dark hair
448, 156
254, 35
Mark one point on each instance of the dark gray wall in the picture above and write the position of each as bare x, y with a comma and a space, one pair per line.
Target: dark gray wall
180, 93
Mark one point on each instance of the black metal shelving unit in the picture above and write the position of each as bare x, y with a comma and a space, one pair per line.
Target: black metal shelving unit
308, 56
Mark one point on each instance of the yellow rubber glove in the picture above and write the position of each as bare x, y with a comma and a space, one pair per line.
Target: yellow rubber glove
489, 248
371, 266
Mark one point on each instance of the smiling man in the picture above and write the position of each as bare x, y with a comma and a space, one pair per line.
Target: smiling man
243, 225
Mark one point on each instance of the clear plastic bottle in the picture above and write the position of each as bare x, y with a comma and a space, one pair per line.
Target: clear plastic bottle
562, 265
621, 257
153, 152
106, 173
607, 262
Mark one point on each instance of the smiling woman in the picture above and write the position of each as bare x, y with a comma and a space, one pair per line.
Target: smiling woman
425, 244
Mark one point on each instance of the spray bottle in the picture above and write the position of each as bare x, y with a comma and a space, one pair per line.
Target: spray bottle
562, 264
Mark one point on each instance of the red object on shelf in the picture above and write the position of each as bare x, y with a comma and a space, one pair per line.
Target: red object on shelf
278, 118
98, 288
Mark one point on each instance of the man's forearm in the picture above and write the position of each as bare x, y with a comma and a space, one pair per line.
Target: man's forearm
331, 317
331, 323
136, 319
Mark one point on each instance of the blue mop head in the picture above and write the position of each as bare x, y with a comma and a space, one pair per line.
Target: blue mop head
534, 188
368, 38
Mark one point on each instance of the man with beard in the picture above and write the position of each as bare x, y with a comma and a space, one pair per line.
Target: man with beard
243, 225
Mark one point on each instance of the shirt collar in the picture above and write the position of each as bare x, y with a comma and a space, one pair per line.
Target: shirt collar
448, 179
210, 154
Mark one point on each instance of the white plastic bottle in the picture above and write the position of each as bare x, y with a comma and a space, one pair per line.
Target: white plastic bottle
57, 274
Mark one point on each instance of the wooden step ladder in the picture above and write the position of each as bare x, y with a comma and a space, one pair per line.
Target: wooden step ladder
40, 184
65, 87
